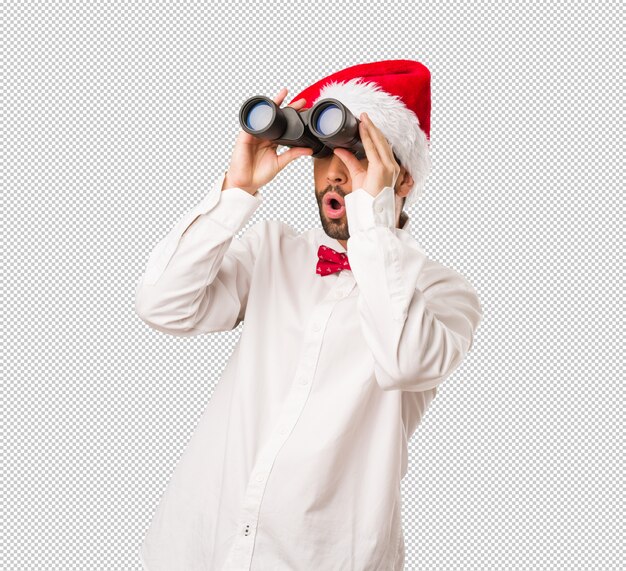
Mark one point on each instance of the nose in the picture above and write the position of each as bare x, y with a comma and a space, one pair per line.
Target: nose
337, 174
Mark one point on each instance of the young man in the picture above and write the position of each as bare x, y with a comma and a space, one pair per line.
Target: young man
349, 329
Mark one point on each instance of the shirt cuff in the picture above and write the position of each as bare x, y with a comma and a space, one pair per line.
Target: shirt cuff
231, 207
366, 211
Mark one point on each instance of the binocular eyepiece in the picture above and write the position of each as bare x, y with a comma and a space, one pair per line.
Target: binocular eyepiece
327, 125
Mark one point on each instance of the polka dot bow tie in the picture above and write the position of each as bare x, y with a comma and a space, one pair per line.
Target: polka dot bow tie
331, 261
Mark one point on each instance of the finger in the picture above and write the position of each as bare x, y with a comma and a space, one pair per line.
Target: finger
382, 144
368, 143
280, 96
298, 104
379, 139
285, 158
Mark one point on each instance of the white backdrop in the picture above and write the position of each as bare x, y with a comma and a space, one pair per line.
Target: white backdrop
116, 118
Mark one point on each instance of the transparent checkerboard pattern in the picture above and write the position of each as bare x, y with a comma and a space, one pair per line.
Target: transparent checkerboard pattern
119, 115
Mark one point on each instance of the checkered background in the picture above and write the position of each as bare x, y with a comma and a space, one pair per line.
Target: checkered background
116, 118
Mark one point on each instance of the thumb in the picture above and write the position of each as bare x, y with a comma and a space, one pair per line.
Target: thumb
285, 158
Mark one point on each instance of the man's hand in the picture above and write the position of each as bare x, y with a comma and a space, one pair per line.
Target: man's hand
382, 168
254, 162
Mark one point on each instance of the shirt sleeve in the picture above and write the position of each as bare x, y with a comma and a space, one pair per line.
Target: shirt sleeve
418, 317
197, 278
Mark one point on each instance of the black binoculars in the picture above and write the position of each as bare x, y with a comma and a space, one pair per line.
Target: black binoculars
327, 125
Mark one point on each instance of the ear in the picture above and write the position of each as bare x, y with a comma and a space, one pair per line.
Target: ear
404, 183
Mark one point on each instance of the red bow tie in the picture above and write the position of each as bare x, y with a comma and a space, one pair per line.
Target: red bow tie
331, 261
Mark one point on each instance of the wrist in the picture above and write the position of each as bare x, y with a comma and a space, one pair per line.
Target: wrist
227, 184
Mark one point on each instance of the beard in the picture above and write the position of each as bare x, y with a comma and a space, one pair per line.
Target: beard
336, 228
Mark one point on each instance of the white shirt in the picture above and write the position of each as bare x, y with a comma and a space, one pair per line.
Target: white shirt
297, 460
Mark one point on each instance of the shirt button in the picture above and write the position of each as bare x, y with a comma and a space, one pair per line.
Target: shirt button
283, 430
260, 477
316, 327
303, 380
339, 293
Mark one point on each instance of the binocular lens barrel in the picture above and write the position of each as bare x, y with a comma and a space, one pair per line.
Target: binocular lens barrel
329, 120
259, 116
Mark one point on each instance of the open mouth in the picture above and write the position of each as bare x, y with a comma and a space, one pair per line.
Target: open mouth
334, 205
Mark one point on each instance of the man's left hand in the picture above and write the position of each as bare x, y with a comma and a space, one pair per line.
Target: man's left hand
382, 168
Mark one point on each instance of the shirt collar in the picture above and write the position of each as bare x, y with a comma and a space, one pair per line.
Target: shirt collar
326, 240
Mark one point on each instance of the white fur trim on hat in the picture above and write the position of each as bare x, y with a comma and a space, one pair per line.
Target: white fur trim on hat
397, 122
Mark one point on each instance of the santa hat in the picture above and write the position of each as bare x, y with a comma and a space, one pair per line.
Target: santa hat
396, 96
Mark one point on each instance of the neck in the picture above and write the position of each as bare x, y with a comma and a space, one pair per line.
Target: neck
402, 219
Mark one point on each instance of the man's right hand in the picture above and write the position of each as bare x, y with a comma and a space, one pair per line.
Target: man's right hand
254, 162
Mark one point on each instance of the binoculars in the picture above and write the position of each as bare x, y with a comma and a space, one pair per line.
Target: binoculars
327, 125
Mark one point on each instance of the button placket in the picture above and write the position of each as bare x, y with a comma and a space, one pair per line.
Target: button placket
345, 284
292, 409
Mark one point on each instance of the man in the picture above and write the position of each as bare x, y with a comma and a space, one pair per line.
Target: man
348, 330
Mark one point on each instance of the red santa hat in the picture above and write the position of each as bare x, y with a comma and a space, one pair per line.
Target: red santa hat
396, 96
